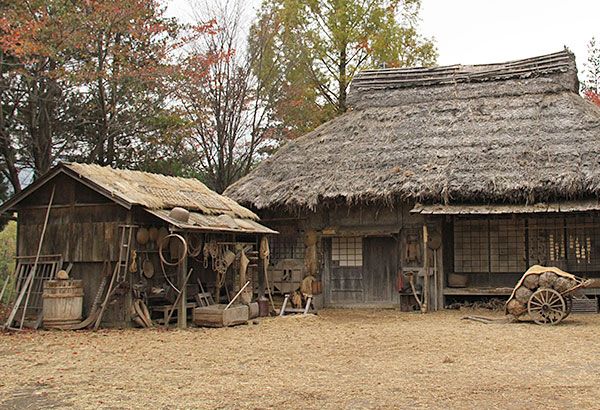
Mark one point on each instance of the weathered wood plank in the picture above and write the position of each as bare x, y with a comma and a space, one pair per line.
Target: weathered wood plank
217, 316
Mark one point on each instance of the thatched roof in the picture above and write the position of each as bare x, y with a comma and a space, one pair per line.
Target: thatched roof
514, 132
150, 191
156, 191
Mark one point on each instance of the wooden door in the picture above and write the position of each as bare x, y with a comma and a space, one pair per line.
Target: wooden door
362, 270
345, 285
379, 269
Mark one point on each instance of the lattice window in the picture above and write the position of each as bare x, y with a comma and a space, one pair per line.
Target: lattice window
570, 243
471, 245
512, 244
286, 247
507, 245
347, 251
547, 244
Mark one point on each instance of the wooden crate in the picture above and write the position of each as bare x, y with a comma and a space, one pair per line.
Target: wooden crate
585, 305
217, 316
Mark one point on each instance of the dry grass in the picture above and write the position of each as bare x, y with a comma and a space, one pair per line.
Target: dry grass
340, 359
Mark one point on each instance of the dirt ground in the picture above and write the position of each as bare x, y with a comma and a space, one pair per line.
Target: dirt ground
350, 359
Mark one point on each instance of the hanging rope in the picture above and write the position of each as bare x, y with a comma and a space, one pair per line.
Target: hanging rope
194, 245
164, 262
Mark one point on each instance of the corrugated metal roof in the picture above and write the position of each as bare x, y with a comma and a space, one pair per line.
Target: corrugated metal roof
569, 206
214, 223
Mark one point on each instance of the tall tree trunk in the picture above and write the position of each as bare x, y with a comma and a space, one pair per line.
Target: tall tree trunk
342, 81
9, 156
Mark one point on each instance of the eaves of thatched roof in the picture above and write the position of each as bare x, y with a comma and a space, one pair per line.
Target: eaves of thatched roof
514, 132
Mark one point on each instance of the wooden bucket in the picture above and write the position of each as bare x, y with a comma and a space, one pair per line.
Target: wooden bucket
263, 307
63, 302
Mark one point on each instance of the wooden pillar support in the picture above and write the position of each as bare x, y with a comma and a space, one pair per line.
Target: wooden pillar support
182, 311
425, 305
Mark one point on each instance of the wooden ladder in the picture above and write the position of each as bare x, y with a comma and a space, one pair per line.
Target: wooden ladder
119, 275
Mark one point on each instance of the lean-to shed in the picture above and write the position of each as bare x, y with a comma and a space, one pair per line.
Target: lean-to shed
500, 163
93, 212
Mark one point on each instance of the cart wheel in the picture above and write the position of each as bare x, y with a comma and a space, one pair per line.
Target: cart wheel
569, 304
547, 307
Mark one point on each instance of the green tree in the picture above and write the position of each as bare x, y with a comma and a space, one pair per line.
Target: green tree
320, 45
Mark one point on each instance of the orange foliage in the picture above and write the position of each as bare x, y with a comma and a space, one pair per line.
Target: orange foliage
593, 97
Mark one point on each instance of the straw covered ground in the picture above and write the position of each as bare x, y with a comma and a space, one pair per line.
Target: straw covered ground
339, 359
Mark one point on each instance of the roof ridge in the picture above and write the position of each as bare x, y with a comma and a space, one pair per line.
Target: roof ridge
418, 76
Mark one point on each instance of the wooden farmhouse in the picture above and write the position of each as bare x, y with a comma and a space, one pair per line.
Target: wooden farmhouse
104, 222
496, 167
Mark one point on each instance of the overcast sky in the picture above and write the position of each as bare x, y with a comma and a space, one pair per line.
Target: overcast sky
488, 31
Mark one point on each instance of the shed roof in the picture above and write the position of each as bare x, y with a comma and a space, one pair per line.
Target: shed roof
515, 132
157, 194
212, 223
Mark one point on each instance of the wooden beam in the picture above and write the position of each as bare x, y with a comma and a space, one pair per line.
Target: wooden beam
182, 314
425, 306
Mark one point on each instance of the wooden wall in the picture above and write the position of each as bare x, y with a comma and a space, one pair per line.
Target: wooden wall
82, 227
391, 241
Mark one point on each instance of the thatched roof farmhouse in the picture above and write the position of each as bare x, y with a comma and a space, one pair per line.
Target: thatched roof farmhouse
515, 132
511, 150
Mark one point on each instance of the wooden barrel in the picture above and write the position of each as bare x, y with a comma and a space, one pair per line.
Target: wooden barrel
63, 302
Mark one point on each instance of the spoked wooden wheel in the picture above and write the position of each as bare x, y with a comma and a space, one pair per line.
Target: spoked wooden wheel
547, 307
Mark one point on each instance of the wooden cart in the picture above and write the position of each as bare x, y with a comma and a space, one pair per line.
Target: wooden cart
547, 304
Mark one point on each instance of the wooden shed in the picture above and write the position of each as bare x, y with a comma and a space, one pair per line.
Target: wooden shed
497, 164
100, 218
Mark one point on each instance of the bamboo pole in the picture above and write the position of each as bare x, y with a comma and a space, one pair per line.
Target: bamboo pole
236, 295
4, 288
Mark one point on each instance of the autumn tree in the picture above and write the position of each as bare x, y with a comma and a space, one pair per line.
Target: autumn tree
591, 82
320, 45
89, 81
228, 107
123, 67
31, 90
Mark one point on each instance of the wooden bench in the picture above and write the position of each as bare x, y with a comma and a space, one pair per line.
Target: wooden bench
167, 308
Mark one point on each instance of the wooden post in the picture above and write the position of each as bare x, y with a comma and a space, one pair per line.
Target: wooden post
440, 278
182, 315
128, 297
425, 306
